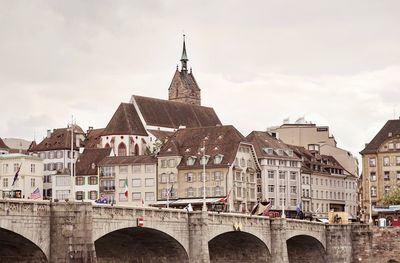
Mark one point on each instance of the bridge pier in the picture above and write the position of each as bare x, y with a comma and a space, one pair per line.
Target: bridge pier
71, 233
338, 243
279, 251
198, 238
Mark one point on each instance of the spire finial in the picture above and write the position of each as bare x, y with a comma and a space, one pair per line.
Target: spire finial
184, 58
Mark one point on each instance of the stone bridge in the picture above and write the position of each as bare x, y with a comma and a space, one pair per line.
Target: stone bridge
79, 232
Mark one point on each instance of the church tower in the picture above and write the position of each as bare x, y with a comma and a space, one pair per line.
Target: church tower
183, 86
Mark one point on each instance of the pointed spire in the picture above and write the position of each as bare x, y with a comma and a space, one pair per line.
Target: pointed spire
184, 58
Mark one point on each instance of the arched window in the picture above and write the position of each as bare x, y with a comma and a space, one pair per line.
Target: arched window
122, 149
136, 149
107, 145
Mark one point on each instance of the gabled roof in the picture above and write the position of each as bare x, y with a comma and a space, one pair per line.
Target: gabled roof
161, 135
60, 139
88, 161
184, 79
125, 121
221, 140
3, 146
262, 140
391, 127
93, 138
126, 160
172, 114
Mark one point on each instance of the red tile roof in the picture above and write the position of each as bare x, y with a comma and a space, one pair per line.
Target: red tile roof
59, 139
88, 161
3, 146
188, 142
93, 138
172, 114
161, 135
125, 121
391, 127
126, 160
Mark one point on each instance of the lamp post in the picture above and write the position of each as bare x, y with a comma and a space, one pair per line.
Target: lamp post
204, 176
370, 201
72, 195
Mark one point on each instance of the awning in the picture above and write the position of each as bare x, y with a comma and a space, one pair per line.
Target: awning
187, 201
389, 209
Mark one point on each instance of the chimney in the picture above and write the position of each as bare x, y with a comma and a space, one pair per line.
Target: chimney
48, 133
89, 129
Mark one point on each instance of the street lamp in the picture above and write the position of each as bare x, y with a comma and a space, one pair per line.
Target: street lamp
370, 202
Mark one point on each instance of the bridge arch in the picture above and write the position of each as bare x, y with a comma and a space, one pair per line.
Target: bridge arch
238, 246
16, 247
305, 248
139, 244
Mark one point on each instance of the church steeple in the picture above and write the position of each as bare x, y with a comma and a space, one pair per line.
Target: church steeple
184, 58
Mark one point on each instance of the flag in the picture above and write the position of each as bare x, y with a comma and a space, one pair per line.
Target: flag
169, 192
101, 200
299, 207
35, 194
225, 199
142, 202
189, 207
16, 175
126, 187
261, 208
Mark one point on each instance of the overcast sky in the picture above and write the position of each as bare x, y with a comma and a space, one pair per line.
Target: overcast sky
257, 62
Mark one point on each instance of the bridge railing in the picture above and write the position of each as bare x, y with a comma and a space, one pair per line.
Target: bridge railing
24, 207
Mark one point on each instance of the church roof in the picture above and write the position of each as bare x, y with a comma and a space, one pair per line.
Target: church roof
125, 121
184, 79
172, 114
389, 130
90, 158
3, 145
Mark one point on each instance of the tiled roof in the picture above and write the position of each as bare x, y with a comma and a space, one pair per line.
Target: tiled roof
3, 146
93, 138
172, 114
126, 160
262, 140
125, 121
223, 140
391, 126
161, 135
59, 139
88, 161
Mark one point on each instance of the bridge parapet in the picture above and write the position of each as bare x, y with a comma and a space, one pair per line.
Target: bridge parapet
24, 207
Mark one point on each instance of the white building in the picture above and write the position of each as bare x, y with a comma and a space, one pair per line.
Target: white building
29, 183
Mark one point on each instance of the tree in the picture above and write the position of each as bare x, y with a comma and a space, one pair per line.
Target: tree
392, 197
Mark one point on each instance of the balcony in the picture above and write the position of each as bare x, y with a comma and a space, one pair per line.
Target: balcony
107, 188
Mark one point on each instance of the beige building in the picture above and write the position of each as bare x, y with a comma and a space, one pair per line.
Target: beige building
380, 166
139, 172
313, 137
29, 183
230, 169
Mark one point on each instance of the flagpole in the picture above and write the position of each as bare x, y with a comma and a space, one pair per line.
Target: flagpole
204, 176
72, 195
167, 190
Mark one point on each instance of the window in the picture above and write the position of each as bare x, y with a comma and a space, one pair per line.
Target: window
79, 195
386, 161
259, 188
387, 189
164, 178
149, 168
372, 177
202, 176
293, 202
272, 200
107, 171
282, 189
386, 175
391, 146
62, 194
218, 159
107, 185
122, 197
164, 163
136, 182
123, 169
149, 196
282, 162
398, 159
204, 159
171, 163
172, 177
93, 195
293, 175
217, 191
148, 182
63, 180
398, 175
79, 180
373, 191
242, 162
372, 162
33, 183
93, 180
121, 183
270, 162
136, 196
16, 166
271, 188
293, 189
191, 160
190, 177
217, 176
271, 174
136, 169
282, 175
190, 192
122, 149
5, 182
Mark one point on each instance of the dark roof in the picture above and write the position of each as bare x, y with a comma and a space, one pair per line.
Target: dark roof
60, 139
125, 121
89, 157
391, 126
93, 138
161, 135
3, 145
188, 142
262, 140
184, 79
121, 160
172, 114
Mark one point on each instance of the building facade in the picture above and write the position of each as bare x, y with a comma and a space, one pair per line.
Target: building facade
380, 167
29, 183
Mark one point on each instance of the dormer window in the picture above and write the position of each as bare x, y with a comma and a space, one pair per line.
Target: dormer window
268, 151
289, 152
279, 152
218, 158
191, 160
204, 159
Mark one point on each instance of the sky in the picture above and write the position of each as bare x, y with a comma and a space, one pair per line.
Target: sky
336, 63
